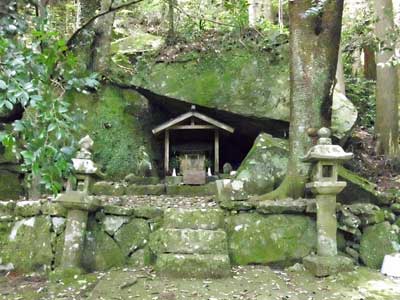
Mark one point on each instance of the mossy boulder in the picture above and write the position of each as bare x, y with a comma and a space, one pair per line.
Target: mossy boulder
101, 252
132, 236
257, 239
30, 244
117, 120
241, 80
265, 165
377, 241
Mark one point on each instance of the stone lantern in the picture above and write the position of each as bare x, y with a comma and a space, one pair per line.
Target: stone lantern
326, 159
79, 203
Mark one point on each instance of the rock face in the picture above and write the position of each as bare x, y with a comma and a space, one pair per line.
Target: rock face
118, 122
377, 241
265, 165
248, 82
257, 239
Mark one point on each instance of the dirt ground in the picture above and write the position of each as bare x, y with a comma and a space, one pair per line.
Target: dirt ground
246, 283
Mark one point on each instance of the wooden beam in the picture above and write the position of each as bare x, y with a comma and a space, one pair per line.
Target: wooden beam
166, 152
183, 127
214, 122
216, 152
192, 114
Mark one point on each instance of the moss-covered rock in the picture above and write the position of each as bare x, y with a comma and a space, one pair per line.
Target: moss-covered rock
10, 185
28, 208
377, 241
265, 165
242, 80
254, 238
209, 189
188, 241
132, 236
101, 252
154, 189
117, 120
108, 188
30, 244
180, 218
148, 212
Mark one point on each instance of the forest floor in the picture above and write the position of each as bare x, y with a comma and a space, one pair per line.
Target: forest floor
247, 283
385, 173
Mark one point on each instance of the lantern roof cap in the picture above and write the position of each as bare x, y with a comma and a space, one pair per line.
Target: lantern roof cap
324, 150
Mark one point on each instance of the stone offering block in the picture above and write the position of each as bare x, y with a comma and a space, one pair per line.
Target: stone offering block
322, 266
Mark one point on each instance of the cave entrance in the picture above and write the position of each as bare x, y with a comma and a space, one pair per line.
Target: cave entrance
192, 145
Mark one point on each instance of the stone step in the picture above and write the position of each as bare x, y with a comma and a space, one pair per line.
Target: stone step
181, 218
193, 265
189, 241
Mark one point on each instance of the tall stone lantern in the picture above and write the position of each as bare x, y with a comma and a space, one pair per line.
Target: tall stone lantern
79, 203
326, 159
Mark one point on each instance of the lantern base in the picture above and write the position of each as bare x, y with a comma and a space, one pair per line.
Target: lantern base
322, 266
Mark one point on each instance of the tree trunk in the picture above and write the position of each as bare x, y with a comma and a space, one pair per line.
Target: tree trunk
314, 46
101, 45
267, 11
85, 10
369, 64
340, 81
171, 23
387, 111
254, 12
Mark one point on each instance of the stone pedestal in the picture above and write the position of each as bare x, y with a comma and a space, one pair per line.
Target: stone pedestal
74, 239
326, 225
78, 205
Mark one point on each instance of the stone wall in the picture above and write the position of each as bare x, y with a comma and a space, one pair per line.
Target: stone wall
282, 232
32, 236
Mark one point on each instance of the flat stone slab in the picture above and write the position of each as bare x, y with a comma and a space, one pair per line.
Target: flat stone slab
322, 266
153, 189
118, 210
193, 265
148, 212
284, 206
193, 218
28, 208
189, 241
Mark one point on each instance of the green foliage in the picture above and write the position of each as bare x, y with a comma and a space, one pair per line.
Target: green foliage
362, 93
36, 71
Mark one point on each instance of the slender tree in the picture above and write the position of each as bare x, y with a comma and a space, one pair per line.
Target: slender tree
314, 44
387, 111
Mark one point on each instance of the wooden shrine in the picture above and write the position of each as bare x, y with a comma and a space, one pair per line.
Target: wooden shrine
192, 157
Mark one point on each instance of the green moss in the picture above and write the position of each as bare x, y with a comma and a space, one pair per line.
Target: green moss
115, 120
377, 241
10, 186
265, 165
358, 189
254, 238
238, 80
